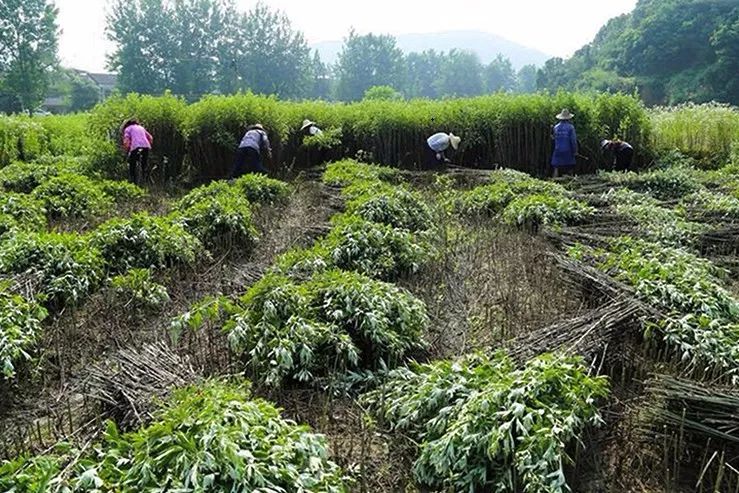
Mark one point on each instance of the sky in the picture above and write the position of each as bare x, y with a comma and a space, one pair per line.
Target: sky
557, 28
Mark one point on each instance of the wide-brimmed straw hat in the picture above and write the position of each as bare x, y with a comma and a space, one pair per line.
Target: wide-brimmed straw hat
257, 126
454, 141
306, 124
565, 115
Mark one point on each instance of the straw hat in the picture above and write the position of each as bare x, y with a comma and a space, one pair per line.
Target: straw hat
306, 124
454, 141
565, 115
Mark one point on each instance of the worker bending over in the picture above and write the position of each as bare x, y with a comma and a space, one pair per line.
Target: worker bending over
436, 147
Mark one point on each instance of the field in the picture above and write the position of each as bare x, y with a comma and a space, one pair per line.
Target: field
354, 324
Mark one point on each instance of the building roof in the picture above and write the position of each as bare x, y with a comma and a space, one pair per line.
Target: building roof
104, 80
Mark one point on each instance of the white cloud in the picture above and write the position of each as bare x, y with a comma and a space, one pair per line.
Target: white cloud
558, 28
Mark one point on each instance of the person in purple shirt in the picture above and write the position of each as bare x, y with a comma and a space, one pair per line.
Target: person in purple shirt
249, 154
565, 144
137, 143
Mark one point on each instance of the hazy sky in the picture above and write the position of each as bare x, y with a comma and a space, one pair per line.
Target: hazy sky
554, 27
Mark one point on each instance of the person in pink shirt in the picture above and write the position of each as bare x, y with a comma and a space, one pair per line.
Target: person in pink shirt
137, 143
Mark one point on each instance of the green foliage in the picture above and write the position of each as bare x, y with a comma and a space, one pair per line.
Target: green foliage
701, 324
382, 93
663, 184
121, 191
138, 291
211, 311
25, 177
397, 207
20, 328
536, 210
705, 203
349, 171
28, 46
218, 215
28, 213
212, 437
335, 322
366, 61
259, 189
483, 424
327, 139
65, 267
702, 131
144, 241
70, 195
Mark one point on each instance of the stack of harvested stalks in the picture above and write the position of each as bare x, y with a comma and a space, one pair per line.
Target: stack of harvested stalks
131, 381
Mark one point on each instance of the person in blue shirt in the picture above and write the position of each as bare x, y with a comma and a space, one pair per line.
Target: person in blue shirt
565, 144
622, 153
436, 146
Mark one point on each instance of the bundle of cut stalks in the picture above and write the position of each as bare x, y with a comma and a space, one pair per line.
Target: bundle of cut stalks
130, 382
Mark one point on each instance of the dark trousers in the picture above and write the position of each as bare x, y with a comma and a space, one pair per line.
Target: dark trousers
624, 158
430, 161
247, 160
138, 160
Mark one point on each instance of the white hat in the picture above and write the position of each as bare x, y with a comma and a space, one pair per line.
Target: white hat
454, 141
306, 124
604, 143
565, 115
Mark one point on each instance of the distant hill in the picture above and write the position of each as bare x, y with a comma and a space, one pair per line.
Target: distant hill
671, 51
486, 45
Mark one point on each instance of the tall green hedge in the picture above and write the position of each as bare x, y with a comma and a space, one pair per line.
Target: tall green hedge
509, 130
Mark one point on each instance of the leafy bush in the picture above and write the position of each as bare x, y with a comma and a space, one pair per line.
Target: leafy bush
212, 437
217, 215
335, 322
485, 200
211, 311
144, 241
28, 212
705, 203
72, 195
397, 207
25, 177
259, 189
484, 425
65, 266
20, 328
121, 191
663, 184
536, 210
136, 290
349, 171
701, 317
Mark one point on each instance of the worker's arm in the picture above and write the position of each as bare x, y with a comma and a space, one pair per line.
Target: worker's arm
266, 145
149, 138
126, 140
573, 141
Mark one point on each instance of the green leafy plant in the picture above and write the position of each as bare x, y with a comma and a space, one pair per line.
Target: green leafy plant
26, 213
72, 195
217, 216
335, 322
483, 424
259, 189
25, 177
397, 207
137, 290
121, 191
20, 328
211, 311
211, 437
349, 171
65, 267
535, 210
144, 241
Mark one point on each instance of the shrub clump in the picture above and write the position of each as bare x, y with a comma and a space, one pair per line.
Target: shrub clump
144, 241
259, 189
211, 437
25, 177
21, 212
121, 191
217, 215
397, 207
20, 328
485, 425
349, 171
336, 322
138, 291
70, 195
65, 267
533, 211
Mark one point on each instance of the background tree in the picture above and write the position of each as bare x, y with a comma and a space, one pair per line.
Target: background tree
83, 94
28, 50
382, 93
367, 61
422, 72
460, 75
267, 55
526, 79
322, 80
499, 75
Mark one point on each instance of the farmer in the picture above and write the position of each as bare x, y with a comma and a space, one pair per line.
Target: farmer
565, 144
137, 143
249, 154
623, 153
310, 128
436, 146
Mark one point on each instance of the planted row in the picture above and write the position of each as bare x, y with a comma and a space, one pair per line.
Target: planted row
483, 424
212, 437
